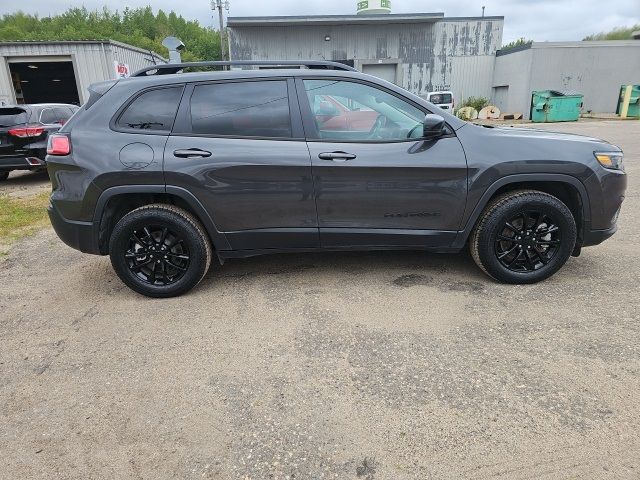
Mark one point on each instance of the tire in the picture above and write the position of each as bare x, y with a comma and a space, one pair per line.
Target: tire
4, 176
160, 250
509, 253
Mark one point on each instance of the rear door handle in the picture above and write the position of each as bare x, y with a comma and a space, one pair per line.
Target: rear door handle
191, 152
336, 156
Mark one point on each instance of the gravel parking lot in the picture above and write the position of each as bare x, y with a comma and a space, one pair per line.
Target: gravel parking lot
392, 365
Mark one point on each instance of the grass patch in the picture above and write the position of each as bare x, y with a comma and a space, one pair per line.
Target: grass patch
22, 216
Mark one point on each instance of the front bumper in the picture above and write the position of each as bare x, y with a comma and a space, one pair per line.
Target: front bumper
79, 235
596, 237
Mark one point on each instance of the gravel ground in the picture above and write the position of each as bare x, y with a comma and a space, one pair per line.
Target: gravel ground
344, 365
23, 183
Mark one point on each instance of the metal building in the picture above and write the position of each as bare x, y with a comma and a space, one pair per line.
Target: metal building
36, 72
421, 52
594, 68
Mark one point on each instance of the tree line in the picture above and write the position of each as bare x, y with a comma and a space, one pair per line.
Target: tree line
136, 26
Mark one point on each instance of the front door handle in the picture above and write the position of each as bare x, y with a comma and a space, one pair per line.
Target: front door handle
336, 156
191, 152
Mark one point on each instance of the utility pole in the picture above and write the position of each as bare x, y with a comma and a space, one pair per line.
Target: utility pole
219, 5
483, 11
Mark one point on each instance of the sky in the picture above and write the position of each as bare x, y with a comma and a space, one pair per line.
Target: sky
538, 20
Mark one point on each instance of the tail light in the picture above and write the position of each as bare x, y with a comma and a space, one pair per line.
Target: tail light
28, 131
58, 145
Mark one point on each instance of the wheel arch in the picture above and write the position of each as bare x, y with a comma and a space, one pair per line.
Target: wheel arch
566, 188
115, 202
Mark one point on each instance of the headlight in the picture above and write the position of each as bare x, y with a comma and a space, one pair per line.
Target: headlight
612, 160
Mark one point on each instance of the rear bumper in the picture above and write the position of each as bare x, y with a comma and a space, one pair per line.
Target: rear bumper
21, 163
79, 235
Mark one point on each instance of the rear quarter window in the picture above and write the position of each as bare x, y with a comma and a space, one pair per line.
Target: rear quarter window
153, 110
48, 116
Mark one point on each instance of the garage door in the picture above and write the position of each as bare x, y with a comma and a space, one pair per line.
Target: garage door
36, 80
385, 71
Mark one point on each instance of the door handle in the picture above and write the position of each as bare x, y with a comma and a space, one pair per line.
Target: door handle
191, 152
336, 156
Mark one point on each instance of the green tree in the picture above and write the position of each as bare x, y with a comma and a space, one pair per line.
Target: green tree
516, 43
140, 27
620, 33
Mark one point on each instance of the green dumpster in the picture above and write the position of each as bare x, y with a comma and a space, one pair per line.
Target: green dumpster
633, 110
555, 106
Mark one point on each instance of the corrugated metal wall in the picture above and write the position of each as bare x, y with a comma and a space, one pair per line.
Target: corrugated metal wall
134, 57
450, 54
595, 69
92, 61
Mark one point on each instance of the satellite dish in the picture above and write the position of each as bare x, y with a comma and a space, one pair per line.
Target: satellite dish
174, 45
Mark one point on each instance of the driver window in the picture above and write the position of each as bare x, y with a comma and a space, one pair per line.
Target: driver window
350, 111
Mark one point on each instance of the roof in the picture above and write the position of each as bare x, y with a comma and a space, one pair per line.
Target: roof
82, 42
27, 105
334, 19
348, 19
575, 44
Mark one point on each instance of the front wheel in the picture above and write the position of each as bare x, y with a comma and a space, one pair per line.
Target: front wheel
4, 176
160, 250
523, 237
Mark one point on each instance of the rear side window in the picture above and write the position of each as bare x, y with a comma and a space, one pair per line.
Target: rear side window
48, 115
62, 114
246, 109
13, 116
153, 110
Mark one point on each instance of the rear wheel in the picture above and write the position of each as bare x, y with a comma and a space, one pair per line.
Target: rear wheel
4, 176
160, 250
523, 237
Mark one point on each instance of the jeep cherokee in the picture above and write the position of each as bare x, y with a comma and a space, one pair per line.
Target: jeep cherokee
165, 169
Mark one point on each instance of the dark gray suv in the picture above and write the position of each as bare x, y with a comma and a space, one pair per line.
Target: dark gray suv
164, 170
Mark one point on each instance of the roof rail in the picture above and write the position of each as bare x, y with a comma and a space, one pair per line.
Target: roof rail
168, 68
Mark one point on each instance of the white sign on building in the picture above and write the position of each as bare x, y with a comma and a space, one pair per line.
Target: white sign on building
122, 69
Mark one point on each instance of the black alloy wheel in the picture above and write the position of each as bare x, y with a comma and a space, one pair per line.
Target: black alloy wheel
527, 241
157, 255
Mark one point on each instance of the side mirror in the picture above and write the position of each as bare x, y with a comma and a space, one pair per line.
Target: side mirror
433, 126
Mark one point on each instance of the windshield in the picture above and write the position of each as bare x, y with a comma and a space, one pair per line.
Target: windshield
12, 116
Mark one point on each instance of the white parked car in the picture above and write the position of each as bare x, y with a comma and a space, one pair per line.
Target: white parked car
442, 99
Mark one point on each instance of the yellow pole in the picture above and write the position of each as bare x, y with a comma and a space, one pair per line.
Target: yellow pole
626, 100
